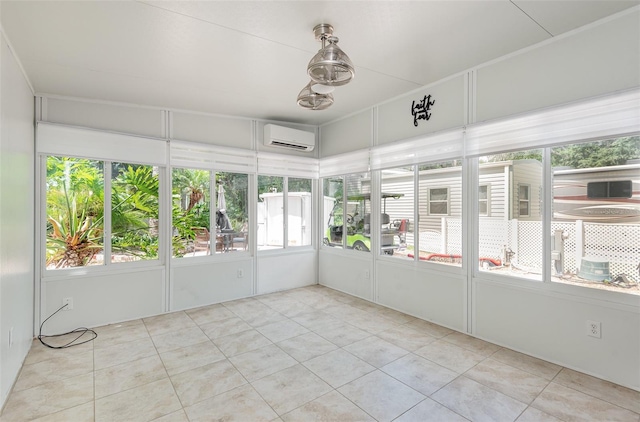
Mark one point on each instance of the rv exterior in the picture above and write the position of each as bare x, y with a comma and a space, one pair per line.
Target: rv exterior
511, 190
603, 194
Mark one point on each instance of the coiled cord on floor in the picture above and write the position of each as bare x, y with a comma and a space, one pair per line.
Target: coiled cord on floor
82, 331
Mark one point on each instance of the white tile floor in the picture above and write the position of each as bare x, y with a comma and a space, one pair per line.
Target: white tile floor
302, 355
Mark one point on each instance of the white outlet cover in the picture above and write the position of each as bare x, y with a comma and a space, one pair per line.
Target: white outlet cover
594, 329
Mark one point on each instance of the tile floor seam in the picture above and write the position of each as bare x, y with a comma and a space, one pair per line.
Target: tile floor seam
354, 403
265, 400
544, 411
176, 393
127, 389
595, 397
490, 387
522, 369
590, 394
429, 398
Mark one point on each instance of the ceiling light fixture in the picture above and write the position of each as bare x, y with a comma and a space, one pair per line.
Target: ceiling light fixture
329, 68
308, 98
322, 89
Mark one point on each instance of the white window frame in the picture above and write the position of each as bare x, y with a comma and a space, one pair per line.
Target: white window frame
486, 200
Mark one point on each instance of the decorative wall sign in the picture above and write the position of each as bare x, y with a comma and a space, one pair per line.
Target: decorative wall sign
422, 110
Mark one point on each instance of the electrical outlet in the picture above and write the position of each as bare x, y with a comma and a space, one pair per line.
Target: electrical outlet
593, 329
366, 275
240, 274
68, 301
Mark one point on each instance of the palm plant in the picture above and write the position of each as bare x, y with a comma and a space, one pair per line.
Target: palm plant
134, 214
75, 236
74, 211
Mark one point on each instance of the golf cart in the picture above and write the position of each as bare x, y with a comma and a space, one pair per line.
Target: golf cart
357, 218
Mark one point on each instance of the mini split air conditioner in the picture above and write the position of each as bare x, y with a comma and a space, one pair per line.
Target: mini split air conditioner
284, 137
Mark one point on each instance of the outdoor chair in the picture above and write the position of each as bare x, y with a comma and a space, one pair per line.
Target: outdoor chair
202, 239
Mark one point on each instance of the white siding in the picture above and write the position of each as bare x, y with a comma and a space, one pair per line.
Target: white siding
494, 178
528, 172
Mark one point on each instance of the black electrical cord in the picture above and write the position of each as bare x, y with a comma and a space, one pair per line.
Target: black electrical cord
80, 330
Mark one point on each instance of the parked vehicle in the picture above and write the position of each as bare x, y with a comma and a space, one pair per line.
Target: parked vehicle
356, 219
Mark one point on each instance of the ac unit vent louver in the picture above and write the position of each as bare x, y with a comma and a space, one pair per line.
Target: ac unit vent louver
288, 145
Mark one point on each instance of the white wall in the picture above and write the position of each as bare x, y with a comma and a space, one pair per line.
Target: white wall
424, 292
348, 271
552, 325
286, 270
114, 296
112, 117
197, 282
16, 217
349, 134
395, 121
596, 61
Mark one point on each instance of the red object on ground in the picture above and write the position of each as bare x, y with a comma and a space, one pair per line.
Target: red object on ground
491, 261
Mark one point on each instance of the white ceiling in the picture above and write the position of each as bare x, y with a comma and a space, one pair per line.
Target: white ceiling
249, 58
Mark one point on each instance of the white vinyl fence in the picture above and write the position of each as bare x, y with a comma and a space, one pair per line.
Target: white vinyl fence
617, 243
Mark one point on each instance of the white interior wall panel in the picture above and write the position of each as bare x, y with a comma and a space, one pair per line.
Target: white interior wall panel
103, 299
351, 272
395, 118
599, 60
53, 139
346, 135
554, 327
104, 116
214, 130
281, 272
196, 283
431, 295
16, 218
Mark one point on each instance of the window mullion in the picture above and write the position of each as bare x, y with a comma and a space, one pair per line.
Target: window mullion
106, 241
285, 212
547, 204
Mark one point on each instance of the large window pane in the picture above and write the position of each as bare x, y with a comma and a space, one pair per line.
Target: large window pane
333, 212
510, 232
397, 203
134, 212
299, 222
596, 214
440, 207
232, 215
191, 212
270, 212
75, 212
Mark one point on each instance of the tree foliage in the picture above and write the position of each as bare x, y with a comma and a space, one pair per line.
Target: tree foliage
610, 152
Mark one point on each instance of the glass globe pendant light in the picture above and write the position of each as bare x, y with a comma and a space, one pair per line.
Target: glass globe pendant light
308, 98
330, 66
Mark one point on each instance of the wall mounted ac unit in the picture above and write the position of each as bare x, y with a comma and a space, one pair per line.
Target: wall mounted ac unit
284, 137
